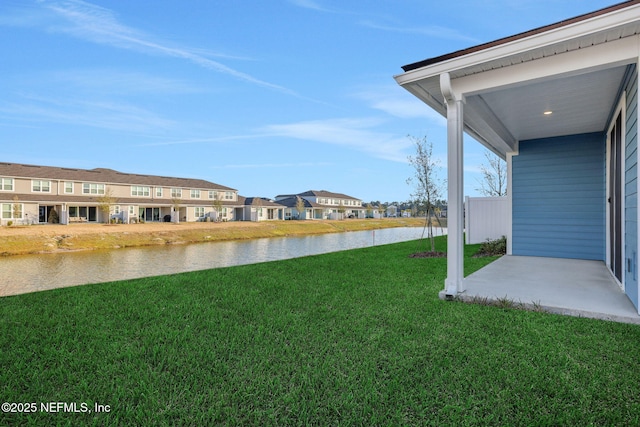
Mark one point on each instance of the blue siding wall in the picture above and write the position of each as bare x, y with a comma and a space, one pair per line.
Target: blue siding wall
631, 191
559, 197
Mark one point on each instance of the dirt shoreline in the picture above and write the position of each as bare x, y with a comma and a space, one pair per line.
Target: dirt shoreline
34, 239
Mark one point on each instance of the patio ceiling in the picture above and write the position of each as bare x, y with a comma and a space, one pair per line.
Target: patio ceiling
578, 104
574, 69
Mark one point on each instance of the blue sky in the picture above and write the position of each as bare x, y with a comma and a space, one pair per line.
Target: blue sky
267, 97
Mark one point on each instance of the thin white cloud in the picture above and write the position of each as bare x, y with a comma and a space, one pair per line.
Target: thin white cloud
102, 114
432, 31
395, 101
273, 165
201, 140
357, 134
308, 4
100, 25
112, 82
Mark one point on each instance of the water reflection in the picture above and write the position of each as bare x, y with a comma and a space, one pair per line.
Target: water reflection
47, 271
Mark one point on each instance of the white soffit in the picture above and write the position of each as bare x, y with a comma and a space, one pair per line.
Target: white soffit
580, 104
574, 70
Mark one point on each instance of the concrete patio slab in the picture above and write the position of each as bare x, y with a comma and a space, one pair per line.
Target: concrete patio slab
563, 286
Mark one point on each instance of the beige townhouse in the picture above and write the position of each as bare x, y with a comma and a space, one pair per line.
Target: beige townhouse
31, 194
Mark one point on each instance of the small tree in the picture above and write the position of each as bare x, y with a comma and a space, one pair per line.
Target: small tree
257, 204
381, 209
16, 209
105, 202
369, 210
427, 185
341, 209
300, 206
217, 205
494, 176
176, 202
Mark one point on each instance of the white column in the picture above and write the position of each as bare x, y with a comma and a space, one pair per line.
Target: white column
455, 173
510, 200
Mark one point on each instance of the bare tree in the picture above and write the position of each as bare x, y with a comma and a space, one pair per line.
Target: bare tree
176, 202
341, 209
104, 204
217, 206
256, 204
494, 176
427, 185
300, 206
369, 210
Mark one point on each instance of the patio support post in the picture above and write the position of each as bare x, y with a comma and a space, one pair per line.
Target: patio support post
455, 192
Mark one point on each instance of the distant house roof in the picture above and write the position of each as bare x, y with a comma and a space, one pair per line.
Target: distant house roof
317, 193
291, 202
249, 201
102, 175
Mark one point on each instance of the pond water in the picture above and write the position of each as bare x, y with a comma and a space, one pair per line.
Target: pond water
30, 273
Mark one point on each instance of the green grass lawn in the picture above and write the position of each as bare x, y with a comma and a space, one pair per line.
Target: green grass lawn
349, 338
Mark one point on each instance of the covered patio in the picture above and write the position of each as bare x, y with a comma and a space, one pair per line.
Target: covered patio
559, 104
574, 287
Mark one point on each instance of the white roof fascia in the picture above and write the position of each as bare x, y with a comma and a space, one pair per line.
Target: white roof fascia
561, 34
606, 55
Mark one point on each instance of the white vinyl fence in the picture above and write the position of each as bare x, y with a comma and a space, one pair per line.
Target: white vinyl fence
486, 218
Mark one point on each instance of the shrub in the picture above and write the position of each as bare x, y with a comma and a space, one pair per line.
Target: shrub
493, 247
53, 217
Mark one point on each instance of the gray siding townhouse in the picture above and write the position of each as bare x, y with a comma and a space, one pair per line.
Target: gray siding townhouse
29, 194
321, 205
261, 209
560, 104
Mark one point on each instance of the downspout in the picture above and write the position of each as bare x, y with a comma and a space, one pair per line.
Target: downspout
455, 188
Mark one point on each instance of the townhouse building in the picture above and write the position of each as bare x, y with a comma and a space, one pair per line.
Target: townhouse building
31, 194
321, 204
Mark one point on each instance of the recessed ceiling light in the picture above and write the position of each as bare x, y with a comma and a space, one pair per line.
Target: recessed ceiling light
548, 113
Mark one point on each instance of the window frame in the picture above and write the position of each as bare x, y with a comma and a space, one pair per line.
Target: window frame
40, 186
11, 211
3, 183
88, 187
140, 191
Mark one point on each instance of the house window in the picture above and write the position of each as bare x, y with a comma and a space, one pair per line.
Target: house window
212, 195
116, 209
12, 211
6, 184
88, 188
158, 191
132, 210
68, 187
39, 186
199, 210
141, 191
228, 195
195, 194
176, 192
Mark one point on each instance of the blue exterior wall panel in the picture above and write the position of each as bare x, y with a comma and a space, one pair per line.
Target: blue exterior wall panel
558, 191
631, 191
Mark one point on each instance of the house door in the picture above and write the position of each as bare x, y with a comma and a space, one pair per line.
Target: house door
615, 198
42, 214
